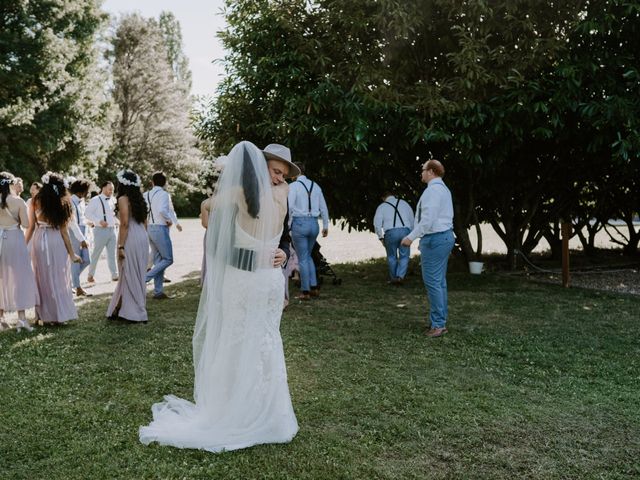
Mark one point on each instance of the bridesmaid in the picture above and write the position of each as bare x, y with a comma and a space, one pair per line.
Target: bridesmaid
129, 301
51, 250
17, 283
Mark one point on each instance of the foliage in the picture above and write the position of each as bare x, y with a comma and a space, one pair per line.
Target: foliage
178, 61
504, 92
520, 388
152, 129
53, 110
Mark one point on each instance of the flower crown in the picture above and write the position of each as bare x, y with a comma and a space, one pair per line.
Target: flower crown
46, 178
124, 181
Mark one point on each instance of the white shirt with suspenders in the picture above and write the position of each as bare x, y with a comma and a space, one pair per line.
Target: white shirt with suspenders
392, 213
306, 200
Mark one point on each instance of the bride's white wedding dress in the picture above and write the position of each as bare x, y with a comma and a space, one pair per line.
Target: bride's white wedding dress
241, 391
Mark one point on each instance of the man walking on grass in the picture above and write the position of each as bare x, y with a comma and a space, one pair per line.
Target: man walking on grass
160, 218
434, 227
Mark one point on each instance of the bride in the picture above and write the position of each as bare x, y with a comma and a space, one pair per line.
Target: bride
241, 392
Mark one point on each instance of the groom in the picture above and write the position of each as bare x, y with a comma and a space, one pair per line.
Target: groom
280, 168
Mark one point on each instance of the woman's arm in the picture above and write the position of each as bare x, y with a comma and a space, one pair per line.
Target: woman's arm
204, 214
23, 214
32, 220
123, 213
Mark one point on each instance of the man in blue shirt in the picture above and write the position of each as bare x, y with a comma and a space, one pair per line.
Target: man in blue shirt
434, 227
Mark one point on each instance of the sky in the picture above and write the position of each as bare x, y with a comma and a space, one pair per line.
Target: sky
199, 20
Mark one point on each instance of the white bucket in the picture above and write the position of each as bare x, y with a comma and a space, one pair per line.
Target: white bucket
475, 268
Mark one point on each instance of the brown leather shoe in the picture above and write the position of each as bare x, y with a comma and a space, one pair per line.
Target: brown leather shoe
90, 279
82, 293
315, 292
436, 332
303, 297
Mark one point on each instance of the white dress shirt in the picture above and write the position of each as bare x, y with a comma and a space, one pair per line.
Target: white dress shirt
435, 210
299, 199
387, 218
160, 207
77, 217
101, 208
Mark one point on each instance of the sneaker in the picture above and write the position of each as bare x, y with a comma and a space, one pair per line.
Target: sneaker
162, 296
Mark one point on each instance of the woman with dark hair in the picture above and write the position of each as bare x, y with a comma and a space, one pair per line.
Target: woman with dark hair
17, 284
129, 301
51, 250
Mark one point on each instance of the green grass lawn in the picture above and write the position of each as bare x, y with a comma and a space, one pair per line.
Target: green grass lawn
533, 381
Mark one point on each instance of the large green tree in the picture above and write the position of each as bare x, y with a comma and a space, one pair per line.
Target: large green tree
360, 89
53, 109
152, 129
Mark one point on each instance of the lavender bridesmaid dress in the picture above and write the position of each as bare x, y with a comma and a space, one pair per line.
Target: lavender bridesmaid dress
17, 283
131, 291
52, 268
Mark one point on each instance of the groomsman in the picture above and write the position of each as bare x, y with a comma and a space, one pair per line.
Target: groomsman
100, 212
79, 190
160, 218
306, 204
393, 221
434, 227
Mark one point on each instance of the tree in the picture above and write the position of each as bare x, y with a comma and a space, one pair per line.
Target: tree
178, 61
152, 130
52, 108
360, 89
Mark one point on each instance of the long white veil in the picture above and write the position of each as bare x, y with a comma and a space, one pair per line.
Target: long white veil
240, 377
243, 199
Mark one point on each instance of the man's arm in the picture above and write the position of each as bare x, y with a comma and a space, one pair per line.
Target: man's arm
285, 238
377, 222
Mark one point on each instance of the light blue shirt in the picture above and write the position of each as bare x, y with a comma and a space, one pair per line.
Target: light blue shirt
435, 210
299, 201
386, 217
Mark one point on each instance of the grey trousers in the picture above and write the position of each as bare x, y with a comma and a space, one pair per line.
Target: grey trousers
104, 238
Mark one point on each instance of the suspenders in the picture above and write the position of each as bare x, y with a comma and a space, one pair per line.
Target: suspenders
104, 212
75, 205
309, 190
149, 202
396, 213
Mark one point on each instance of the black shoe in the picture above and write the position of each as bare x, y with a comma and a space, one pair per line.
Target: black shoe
162, 296
166, 280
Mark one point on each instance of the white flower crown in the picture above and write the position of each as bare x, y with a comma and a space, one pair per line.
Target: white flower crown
121, 178
46, 178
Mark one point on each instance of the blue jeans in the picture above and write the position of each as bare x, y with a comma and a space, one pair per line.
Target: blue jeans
83, 253
397, 255
163, 255
434, 256
304, 231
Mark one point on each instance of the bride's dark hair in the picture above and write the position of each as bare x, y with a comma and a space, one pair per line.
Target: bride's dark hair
53, 202
250, 184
